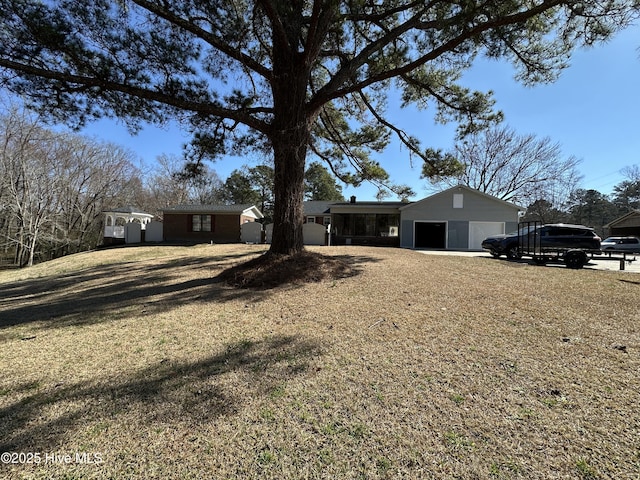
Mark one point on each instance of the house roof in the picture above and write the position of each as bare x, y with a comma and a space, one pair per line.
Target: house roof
216, 209
626, 216
367, 207
372, 203
317, 207
128, 210
459, 188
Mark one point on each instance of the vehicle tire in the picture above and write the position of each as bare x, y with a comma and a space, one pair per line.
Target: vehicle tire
575, 259
513, 253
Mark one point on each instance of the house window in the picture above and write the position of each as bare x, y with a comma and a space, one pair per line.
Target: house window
311, 219
458, 200
326, 221
201, 223
365, 224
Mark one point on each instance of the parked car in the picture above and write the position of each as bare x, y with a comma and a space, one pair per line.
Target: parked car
553, 237
506, 244
621, 244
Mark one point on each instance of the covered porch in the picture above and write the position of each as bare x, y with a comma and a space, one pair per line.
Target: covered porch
366, 223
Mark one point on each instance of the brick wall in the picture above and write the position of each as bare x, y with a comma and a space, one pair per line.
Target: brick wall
226, 228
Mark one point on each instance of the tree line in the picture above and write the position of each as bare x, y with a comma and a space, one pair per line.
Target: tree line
289, 78
55, 186
591, 207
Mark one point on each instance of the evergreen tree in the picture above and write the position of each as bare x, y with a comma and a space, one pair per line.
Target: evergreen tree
591, 208
238, 189
321, 185
290, 76
626, 195
251, 186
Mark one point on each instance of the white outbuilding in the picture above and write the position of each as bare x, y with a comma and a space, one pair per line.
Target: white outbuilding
125, 225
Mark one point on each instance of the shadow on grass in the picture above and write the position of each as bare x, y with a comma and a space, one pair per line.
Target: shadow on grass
118, 291
166, 393
108, 292
511, 262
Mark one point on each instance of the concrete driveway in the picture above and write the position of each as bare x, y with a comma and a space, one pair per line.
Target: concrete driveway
596, 264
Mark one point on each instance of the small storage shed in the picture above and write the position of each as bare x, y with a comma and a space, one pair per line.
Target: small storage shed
458, 218
207, 223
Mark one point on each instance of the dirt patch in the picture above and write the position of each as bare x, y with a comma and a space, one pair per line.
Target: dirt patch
272, 270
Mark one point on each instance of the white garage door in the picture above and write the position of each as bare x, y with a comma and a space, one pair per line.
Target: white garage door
478, 231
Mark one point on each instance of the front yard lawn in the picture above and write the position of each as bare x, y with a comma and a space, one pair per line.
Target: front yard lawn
140, 363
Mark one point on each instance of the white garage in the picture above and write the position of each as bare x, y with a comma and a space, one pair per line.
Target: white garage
478, 231
456, 219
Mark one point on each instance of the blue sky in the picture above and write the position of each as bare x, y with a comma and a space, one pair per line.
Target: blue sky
592, 111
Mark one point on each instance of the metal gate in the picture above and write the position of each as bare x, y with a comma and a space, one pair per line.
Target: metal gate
529, 240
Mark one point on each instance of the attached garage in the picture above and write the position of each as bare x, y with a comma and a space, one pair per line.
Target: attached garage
458, 219
430, 234
478, 231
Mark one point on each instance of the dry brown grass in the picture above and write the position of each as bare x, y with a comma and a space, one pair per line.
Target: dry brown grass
416, 367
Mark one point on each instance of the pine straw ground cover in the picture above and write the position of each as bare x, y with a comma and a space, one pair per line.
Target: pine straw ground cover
141, 363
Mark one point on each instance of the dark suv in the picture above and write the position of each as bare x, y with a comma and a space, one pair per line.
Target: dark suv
550, 238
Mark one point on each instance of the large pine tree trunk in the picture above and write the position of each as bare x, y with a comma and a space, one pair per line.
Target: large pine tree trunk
289, 159
290, 138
